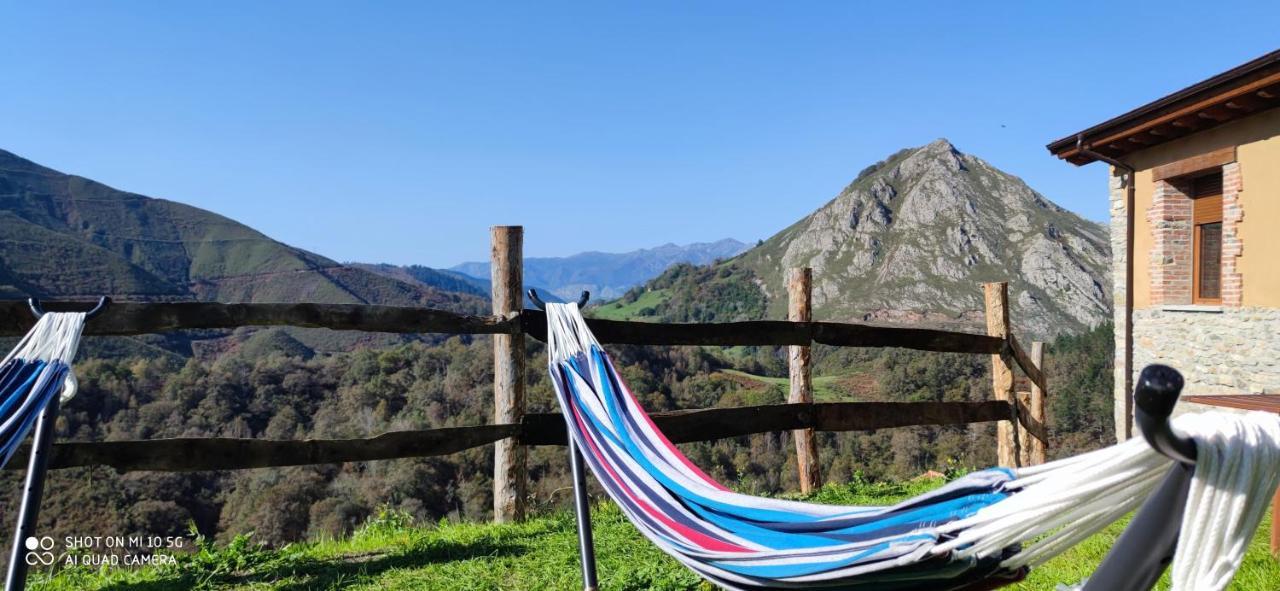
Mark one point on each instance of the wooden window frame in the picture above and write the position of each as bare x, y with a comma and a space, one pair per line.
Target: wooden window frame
1199, 220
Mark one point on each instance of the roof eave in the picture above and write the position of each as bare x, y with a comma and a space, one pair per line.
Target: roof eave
1208, 94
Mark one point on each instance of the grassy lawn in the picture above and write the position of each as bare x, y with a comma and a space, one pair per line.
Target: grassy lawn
540, 554
825, 388
616, 310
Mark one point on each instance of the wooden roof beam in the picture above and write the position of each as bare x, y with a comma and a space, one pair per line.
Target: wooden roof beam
1247, 103
1215, 114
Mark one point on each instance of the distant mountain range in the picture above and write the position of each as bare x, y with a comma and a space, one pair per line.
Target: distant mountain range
909, 241
609, 275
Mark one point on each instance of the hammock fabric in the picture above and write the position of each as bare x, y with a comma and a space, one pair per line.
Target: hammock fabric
34, 372
981, 531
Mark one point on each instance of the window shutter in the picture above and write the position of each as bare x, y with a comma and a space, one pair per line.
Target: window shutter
1209, 185
1206, 194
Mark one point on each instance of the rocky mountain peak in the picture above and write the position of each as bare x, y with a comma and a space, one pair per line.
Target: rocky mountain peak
917, 233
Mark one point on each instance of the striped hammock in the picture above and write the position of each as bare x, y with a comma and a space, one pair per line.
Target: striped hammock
980, 531
38, 369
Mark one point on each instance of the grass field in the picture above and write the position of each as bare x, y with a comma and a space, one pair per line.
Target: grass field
616, 310
540, 554
825, 388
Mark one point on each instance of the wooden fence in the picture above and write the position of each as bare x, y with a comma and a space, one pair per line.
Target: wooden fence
1022, 436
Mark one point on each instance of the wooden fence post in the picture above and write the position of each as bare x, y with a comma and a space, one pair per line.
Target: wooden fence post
1039, 449
996, 297
507, 282
1024, 436
799, 301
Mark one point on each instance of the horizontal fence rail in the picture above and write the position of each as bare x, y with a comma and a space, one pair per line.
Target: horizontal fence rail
774, 333
134, 318
129, 318
686, 426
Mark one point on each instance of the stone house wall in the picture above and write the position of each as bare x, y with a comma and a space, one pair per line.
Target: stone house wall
1226, 351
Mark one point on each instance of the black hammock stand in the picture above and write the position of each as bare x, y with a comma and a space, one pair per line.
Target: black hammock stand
37, 466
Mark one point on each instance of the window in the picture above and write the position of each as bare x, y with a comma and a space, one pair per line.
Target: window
1206, 249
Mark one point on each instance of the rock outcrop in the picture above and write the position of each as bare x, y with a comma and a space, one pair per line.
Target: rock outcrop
912, 238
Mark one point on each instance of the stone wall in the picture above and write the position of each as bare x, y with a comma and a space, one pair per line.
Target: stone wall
1232, 351
1119, 268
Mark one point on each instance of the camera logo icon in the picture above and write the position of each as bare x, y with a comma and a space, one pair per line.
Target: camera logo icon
39, 551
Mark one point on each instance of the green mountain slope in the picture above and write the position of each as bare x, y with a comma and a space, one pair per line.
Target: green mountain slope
68, 236
437, 278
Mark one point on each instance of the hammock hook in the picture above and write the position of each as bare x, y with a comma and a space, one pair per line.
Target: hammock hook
1154, 396
37, 308
537, 301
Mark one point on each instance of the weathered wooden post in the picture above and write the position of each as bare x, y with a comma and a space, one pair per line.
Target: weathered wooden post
1039, 447
1024, 436
507, 279
996, 297
799, 302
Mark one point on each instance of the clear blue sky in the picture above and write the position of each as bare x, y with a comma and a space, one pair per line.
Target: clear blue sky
401, 132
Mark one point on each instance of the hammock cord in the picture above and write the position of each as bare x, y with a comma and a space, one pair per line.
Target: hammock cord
1236, 471
35, 371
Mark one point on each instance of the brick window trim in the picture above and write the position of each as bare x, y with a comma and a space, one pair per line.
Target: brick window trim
1170, 219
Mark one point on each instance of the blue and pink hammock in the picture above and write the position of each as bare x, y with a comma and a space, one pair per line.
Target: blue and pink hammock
980, 531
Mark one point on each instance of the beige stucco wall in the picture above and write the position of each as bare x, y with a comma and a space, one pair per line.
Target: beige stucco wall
1260, 228
1257, 142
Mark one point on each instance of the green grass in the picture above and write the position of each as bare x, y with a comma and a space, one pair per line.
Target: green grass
540, 554
616, 310
825, 388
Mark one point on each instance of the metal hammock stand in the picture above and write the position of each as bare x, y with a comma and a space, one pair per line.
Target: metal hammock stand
581, 503
37, 467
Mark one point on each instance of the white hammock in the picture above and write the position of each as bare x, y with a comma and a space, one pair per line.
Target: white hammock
986, 528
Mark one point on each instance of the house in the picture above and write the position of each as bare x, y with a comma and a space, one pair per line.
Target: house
1195, 232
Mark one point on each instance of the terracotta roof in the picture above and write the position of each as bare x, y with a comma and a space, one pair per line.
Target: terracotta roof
1234, 94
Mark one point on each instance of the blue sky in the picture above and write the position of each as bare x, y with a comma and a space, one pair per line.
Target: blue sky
400, 132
